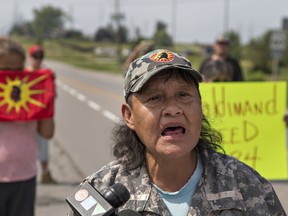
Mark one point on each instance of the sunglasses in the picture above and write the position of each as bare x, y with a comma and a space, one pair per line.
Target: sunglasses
38, 55
223, 43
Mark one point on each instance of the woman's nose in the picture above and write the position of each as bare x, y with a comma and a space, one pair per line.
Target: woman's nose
171, 108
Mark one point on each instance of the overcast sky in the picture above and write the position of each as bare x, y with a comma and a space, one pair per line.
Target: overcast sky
187, 20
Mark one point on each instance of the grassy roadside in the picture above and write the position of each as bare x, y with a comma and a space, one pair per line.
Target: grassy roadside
82, 54
78, 53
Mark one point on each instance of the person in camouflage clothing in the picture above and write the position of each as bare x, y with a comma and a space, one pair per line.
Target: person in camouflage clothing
169, 157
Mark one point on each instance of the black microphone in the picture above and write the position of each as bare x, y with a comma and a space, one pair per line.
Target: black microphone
87, 201
128, 212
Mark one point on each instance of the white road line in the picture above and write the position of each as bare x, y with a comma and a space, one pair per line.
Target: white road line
94, 105
110, 116
72, 91
90, 103
81, 97
65, 87
58, 82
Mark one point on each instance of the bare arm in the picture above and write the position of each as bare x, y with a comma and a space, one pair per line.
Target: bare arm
45, 128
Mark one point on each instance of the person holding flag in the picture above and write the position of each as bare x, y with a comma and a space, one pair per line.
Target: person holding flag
26, 108
35, 58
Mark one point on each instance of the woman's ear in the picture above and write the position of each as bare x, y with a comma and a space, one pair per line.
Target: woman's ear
127, 115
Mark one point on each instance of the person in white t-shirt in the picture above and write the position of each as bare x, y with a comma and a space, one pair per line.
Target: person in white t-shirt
18, 146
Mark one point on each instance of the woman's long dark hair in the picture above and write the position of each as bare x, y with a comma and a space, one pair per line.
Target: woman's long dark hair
128, 147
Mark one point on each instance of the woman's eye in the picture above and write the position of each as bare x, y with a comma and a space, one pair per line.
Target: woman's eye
153, 98
184, 94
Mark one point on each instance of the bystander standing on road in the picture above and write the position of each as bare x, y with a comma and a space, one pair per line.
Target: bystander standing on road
35, 63
18, 146
167, 154
221, 53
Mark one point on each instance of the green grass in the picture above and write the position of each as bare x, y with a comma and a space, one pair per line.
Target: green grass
77, 53
81, 54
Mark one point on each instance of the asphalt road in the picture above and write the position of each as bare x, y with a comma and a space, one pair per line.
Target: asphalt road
87, 107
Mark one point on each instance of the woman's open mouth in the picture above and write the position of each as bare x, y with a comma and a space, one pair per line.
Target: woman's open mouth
173, 131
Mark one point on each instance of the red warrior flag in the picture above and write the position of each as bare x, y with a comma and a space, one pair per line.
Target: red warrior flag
26, 95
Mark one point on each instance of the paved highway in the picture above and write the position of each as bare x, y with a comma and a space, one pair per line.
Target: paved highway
88, 105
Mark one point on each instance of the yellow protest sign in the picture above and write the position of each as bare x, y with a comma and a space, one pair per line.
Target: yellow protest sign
250, 118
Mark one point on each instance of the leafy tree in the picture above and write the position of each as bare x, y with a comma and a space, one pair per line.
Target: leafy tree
104, 34
72, 33
122, 34
284, 60
138, 35
257, 51
161, 37
48, 22
24, 28
109, 34
235, 47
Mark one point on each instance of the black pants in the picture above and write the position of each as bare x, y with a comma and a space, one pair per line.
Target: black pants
18, 198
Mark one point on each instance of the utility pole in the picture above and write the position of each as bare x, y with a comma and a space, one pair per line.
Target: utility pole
226, 16
118, 16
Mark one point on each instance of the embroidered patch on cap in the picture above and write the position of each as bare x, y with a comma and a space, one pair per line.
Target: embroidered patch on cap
162, 56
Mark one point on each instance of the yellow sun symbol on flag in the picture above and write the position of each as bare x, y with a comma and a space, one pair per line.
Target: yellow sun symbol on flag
17, 93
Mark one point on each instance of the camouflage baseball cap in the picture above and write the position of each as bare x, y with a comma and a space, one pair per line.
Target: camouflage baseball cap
143, 68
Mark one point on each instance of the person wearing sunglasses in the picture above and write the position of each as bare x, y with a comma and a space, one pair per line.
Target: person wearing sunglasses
36, 55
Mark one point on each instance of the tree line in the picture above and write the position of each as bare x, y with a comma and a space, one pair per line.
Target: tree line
49, 23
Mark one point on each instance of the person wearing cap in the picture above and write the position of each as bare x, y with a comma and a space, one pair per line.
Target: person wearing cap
35, 57
18, 146
169, 157
221, 53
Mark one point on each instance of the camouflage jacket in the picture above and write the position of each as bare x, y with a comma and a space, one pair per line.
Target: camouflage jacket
227, 187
